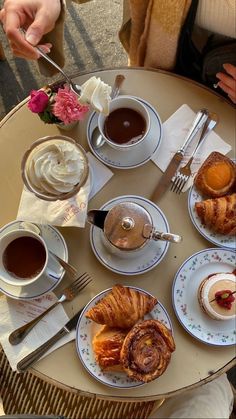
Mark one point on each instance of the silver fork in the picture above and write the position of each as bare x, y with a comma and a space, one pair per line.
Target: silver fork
68, 294
184, 173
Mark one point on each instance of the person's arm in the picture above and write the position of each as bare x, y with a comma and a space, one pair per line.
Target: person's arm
43, 20
227, 81
37, 17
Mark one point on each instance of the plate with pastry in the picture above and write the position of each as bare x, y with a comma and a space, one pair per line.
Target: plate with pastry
212, 200
203, 296
124, 337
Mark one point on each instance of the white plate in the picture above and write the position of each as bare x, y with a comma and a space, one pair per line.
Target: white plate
55, 272
139, 155
211, 236
142, 260
185, 301
86, 329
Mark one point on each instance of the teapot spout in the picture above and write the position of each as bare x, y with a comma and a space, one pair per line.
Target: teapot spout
97, 217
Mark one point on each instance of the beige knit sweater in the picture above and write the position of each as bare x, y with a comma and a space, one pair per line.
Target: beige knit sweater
151, 29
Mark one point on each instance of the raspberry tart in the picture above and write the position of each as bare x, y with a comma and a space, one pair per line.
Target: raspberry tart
216, 296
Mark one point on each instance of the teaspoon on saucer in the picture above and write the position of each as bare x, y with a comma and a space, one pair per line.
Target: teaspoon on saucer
97, 139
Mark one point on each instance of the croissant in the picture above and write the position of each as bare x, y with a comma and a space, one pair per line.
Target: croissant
107, 344
146, 351
122, 307
219, 214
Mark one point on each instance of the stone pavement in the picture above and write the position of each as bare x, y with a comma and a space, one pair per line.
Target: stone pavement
91, 43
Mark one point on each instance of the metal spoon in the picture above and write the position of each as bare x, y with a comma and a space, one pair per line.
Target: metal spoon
75, 87
25, 225
97, 138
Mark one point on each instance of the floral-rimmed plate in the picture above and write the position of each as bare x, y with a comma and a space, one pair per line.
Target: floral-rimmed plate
54, 274
185, 301
142, 260
140, 155
85, 331
215, 238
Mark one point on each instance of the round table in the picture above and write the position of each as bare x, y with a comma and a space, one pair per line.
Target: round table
193, 362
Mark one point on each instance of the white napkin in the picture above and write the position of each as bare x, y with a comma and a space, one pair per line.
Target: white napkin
15, 313
72, 212
175, 130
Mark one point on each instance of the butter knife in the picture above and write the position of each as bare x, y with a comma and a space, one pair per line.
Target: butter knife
172, 167
34, 356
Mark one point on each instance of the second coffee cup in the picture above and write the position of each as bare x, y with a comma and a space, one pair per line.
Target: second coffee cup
127, 124
23, 257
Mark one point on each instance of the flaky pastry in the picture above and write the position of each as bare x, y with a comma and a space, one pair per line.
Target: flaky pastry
122, 307
218, 214
107, 344
217, 175
146, 351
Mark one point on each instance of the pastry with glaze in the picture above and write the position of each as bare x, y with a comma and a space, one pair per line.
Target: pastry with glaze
146, 351
216, 177
122, 307
216, 296
218, 214
107, 344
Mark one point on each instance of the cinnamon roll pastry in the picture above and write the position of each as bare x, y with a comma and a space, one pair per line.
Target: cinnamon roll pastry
218, 214
122, 307
107, 344
217, 175
146, 351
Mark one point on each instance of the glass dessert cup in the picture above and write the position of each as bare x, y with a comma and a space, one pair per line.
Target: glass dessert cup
36, 150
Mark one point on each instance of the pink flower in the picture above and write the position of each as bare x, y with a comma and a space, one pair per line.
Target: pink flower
38, 101
67, 107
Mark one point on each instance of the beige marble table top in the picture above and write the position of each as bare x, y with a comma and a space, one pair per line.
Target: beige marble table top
193, 362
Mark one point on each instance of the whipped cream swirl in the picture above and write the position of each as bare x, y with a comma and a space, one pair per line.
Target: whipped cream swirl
55, 167
97, 93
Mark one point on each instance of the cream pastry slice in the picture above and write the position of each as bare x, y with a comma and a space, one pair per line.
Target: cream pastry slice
216, 296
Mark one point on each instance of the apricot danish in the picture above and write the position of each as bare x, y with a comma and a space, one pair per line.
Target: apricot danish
217, 175
121, 307
146, 351
218, 214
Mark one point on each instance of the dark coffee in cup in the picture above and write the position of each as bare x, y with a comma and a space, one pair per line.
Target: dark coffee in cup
24, 257
124, 125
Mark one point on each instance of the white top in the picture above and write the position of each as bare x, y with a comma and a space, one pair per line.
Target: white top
218, 16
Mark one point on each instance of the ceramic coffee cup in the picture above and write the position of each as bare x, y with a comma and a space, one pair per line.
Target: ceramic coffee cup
127, 124
23, 257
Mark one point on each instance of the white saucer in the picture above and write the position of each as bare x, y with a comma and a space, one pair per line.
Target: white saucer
213, 237
185, 301
139, 155
55, 272
85, 331
142, 260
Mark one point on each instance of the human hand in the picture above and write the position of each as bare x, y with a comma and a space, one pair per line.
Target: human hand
228, 81
37, 17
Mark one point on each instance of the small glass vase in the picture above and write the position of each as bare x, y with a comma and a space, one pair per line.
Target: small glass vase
66, 127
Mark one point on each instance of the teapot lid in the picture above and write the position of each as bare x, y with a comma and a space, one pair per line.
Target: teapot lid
124, 224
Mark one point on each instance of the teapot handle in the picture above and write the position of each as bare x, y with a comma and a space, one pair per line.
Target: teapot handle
151, 233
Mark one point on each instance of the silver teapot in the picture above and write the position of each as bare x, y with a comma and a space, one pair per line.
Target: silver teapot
128, 227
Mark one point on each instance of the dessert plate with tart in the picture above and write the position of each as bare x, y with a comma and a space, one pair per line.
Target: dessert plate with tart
141, 260
130, 159
206, 265
54, 273
87, 337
